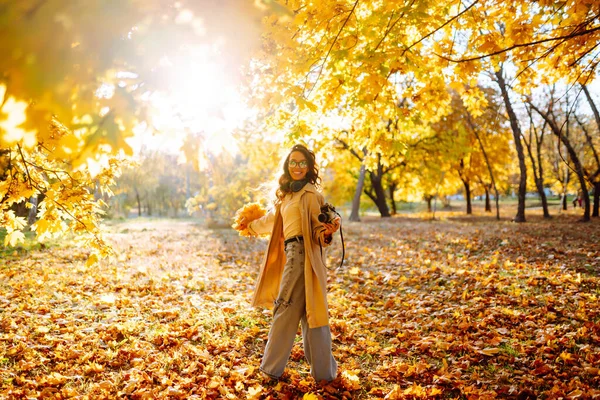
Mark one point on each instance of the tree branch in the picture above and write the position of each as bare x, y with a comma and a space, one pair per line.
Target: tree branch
55, 172
516, 46
590, 142
393, 167
583, 55
331, 48
441, 26
33, 10
31, 182
351, 150
370, 195
389, 28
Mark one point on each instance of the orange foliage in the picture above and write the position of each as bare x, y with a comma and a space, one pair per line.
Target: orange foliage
251, 212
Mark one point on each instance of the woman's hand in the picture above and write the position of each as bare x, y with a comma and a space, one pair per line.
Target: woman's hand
332, 227
243, 224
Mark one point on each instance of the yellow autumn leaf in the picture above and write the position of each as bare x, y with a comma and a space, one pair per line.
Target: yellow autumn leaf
108, 298
575, 394
254, 392
435, 391
310, 396
305, 104
351, 380
41, 226
92, 260
489, 351
566, 356
415, 390
13, 238
54, 379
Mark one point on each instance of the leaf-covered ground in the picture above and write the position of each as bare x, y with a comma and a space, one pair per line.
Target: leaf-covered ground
455, 308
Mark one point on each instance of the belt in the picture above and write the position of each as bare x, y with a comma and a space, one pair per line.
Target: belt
293, 239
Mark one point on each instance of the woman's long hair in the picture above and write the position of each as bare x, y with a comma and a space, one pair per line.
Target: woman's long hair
312, 175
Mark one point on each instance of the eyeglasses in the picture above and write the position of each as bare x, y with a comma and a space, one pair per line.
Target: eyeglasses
301, 164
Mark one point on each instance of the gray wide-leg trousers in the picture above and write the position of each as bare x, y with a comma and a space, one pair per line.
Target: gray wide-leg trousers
290, 309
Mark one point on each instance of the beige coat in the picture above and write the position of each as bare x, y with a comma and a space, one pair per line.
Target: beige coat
315, 272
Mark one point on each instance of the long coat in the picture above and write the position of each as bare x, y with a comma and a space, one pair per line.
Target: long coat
315, 272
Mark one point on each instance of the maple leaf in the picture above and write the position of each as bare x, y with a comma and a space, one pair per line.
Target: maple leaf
12, 238
351, 380
489, 351
254, 392
310, 396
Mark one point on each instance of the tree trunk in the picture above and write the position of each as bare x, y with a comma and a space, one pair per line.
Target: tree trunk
514, 124
428, 199
488, 204
354, 215
139, 202
379, 196
489, 167
539, 184
536, 165
378, 193
596, 199
596, 178
392, 189
32, 215
565, 186
148, 205
446, 202
592, 105
468, 197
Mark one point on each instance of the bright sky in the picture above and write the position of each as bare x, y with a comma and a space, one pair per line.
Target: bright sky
203, 100
14, 116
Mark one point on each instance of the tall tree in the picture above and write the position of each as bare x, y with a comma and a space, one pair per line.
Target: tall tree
564, 139
594, 174
375, 189
475, 128
534, 145
516, 130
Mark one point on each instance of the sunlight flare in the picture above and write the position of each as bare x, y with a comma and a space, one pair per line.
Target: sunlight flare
203, 100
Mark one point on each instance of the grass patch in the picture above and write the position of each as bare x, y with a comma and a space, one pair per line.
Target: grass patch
509, 350
30, 244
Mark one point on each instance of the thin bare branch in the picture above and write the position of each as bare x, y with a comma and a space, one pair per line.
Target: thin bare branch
516, 46
31, 181
351, 150
331, 48
441, 26
389, 28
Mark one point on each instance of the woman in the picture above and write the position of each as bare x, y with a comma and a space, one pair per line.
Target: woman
293, 278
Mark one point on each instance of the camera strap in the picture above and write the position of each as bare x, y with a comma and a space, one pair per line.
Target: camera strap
343, 245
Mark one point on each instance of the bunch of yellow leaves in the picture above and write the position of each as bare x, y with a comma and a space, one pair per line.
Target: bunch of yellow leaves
249, 212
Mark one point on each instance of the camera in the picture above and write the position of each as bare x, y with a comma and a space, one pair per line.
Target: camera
327, 214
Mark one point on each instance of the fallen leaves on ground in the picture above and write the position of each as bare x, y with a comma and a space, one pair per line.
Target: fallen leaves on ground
463, 308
